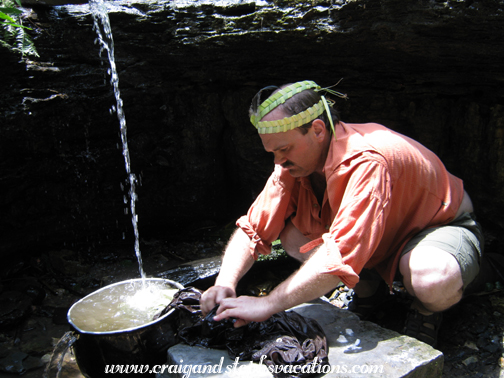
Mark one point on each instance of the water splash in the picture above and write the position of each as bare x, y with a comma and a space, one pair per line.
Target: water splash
58, 355
101, 25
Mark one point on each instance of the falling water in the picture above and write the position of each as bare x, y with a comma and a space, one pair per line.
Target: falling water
55, 365
104, 31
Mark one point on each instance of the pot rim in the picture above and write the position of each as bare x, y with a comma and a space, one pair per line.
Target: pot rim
69, 318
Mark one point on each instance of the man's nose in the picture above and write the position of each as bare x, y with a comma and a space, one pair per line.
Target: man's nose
279, 158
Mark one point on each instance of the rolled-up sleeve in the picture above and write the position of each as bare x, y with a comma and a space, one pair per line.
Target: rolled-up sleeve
266, 217
359, 223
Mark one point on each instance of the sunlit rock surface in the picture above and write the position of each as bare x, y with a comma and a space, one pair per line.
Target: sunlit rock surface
356, 349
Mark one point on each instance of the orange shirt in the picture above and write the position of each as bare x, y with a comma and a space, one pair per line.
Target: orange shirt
382, 188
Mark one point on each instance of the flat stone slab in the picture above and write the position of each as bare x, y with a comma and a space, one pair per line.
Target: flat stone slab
356, 349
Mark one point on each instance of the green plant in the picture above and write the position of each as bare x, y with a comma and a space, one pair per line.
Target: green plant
277, 252
14, 35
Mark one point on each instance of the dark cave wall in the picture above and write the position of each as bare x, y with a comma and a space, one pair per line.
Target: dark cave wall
431, 70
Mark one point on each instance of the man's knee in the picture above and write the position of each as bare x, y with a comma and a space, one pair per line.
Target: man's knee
432, 275
292, 240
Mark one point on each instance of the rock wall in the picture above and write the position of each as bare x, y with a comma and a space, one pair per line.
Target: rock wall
432, 70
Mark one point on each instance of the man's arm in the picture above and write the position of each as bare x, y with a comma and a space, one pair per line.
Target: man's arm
304, 285
236, 261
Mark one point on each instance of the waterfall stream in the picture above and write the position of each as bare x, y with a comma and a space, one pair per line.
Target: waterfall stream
105, 39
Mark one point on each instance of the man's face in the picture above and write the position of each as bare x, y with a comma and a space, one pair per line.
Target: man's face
299, 153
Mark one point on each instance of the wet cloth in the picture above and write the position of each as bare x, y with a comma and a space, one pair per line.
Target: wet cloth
382, 188
286, 338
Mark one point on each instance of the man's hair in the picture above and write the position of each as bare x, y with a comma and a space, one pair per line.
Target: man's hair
297, 104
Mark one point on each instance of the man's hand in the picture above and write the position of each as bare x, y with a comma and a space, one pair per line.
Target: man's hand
305, 284
236, 262
213, 296
245, 310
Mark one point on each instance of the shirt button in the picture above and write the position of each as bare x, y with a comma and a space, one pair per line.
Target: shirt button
315, 205
328, 226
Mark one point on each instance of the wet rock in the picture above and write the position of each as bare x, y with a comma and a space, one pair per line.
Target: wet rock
67, 262
38, 344
470, 345
470, 360
14, 307
30, 287
457, 341
481, 326
17, 362
492, 347
59, 315
372, 348
192, 272
498, 303
4, 349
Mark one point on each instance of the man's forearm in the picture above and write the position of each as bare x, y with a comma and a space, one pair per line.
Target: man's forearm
304, 285
237, 260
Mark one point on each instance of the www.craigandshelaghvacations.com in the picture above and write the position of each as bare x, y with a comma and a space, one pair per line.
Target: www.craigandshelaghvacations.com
243, 369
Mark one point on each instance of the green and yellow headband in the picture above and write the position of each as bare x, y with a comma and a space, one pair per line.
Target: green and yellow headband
290, 123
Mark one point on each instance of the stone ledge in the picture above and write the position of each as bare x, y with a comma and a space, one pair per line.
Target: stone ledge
368, 349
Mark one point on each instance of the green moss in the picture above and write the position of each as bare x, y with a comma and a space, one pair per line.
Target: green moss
277, 252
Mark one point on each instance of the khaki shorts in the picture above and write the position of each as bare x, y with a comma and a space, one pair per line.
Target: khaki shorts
462, 238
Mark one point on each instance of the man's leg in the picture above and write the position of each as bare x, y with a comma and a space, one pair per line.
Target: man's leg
437, 265
433, 277
292, 240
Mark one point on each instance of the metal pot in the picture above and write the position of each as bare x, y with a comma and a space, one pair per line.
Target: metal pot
143, 345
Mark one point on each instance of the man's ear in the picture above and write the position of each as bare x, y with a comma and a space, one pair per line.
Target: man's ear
319, 128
